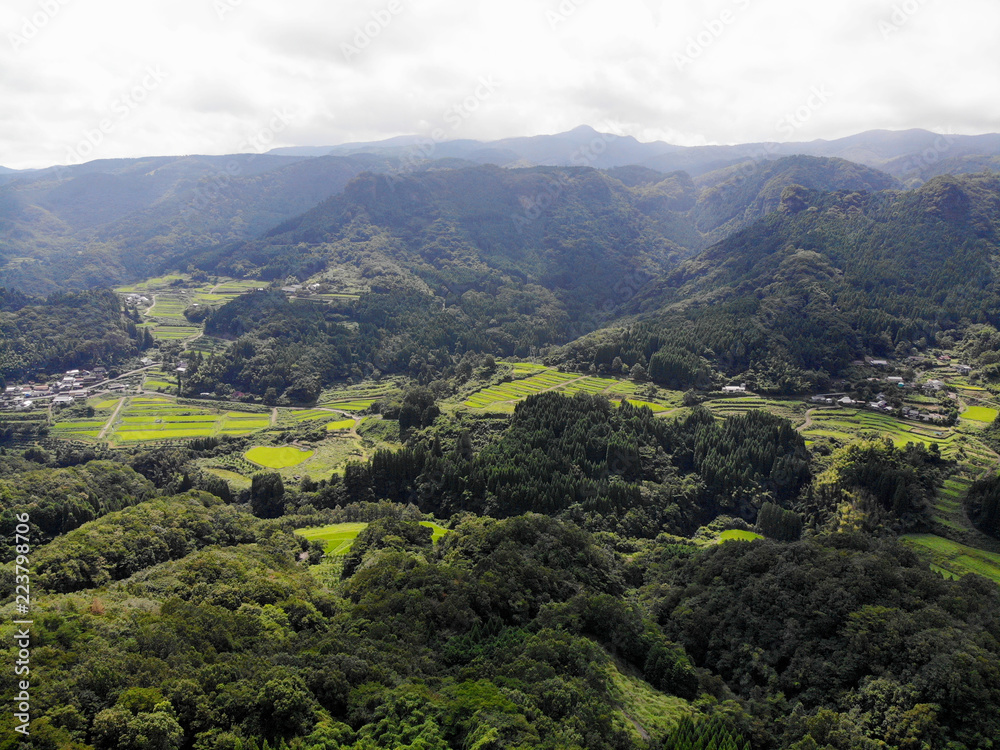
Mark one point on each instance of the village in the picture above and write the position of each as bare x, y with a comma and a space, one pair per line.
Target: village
73, 386
897, 389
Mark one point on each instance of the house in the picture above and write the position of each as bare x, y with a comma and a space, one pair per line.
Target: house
79, 395
62, 400
933, 385
24, 406
878, 363
895, 380
734, 389
963, 369
846, 401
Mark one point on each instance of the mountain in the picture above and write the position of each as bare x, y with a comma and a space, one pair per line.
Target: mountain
898, 152
731, 198
574, 233
793, 298
114, 221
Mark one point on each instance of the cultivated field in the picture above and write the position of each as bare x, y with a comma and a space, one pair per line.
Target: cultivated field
278, 457
954, 560
540, 379
980, 414
339, 537
848, 424
154, 419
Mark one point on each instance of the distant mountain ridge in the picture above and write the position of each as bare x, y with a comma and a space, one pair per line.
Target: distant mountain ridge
901, 153
115, 221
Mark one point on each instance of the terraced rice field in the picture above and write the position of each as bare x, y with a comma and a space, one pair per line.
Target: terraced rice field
541, 379
847, 424
343, 424
89, 428
159, 380
338, 538
954, 560
174, 333
148, 419
353, 406
518, 390
732, 407
168, 306
736, 535
278, 457
981, 414
311, 415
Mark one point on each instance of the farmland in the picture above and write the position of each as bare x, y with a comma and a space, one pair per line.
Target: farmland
539, 379
338, 537
847, 424
152, 418
980, 414
736, 535
954, 560
280, 457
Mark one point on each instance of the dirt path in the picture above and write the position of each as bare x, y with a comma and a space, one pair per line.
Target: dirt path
274, 416
809, 421
111, 420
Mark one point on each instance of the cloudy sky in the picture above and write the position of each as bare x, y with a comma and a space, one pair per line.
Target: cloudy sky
84, 79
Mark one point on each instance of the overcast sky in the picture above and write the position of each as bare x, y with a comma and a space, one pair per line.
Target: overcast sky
84, 79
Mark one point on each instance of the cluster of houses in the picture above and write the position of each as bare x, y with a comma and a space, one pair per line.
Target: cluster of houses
881, 404
137, 300
74, 385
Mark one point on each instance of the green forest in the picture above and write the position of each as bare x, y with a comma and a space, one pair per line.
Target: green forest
474, 458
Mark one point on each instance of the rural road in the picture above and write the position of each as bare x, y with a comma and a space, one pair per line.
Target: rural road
111, 420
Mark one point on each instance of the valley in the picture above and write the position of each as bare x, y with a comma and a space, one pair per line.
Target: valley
677, 457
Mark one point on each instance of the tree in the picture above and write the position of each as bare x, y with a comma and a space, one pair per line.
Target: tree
267, 495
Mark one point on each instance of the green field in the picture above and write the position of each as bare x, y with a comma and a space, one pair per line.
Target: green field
151, 418
540, 379
980, 414
338, 537
954, 560
848, 424
278, 457
174, 333
343, 424
736, 535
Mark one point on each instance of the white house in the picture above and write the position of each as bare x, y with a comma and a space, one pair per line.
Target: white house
734, 389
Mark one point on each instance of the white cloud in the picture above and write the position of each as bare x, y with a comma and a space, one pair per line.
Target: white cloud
557, 64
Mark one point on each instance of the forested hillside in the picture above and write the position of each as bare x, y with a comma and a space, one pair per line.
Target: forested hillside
66, 330
829, 277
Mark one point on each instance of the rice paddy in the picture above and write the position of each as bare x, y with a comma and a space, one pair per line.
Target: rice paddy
154, 419
954, 560
980, 414
174, 333
847, 424
278, 457
338, 538
737, 535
